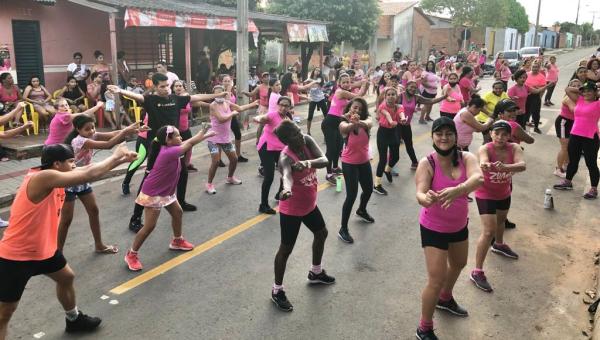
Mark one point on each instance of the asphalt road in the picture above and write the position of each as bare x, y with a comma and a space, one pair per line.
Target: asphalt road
222, 289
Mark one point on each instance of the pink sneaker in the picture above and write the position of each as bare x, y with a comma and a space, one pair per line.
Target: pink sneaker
180, 244
210, 189
233, 180
133, 262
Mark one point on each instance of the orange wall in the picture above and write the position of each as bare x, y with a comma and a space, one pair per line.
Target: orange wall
64, 27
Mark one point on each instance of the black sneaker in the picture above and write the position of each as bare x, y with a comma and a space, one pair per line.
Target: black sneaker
537, 130
504, 250
344, 235
388, 176
265, 209
281, 301
185, 206
191, 168
83, 323
135, 225
365, 216
337, 171
425, 335
380, 190
480, 281
509, 225
564, 185
452, 307
242, 159
221, 164
125, 189
331, 178
322, 278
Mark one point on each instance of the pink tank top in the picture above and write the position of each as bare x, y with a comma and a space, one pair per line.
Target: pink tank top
452, 107
263, 92
464, 130
294, 91
184, 123
337, 106
60, 126
586, 116
304, 189
455, 217
222, 129
356, 148
565, 112
409, 108
496, 184
268, 136
5, 97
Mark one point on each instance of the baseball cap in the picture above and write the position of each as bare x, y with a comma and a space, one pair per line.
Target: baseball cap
441, 122
589, 85
501, 124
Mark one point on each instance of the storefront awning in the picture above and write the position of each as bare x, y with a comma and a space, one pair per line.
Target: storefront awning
146, 18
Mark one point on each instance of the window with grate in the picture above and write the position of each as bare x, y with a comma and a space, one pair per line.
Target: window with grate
165, 47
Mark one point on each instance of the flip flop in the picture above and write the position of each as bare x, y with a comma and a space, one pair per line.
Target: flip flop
108, 250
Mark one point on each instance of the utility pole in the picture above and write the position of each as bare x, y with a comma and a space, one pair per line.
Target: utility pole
242, 68
577, 17
537, 25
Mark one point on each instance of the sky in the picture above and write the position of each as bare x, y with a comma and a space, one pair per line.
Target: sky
562, 10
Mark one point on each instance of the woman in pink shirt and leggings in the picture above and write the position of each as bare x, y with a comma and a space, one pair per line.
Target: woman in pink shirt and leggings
443, 180
299, 160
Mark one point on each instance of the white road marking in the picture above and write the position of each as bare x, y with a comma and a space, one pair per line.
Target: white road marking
104, 297
114, 302
39, 335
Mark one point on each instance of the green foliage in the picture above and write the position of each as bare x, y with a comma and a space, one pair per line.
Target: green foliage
227, 3
569, 27
517, 17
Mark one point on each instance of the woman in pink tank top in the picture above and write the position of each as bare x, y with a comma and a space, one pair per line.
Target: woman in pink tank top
499, 160
454, 99
563, 125
261, 92
356, 167
443, 181
507, 109
299, 160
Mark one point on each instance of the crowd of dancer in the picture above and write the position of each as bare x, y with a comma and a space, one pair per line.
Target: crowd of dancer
444, 178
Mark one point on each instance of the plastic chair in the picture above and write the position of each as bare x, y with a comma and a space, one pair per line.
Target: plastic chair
35, 117
133, 107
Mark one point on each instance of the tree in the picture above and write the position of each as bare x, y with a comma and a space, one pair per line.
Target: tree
353, 21
252, 4
517, 17
569, 27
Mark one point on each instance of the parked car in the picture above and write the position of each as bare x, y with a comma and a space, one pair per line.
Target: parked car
535, 52
514, 59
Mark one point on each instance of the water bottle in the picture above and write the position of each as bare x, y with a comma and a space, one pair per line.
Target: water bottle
548, 200
338, 184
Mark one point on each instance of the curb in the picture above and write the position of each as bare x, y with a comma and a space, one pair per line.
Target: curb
6, 200
596, 317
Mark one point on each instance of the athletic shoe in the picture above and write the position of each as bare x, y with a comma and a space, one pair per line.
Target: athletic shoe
83, 323
546, 104
504, 250
559, 173
135, 225
210, 189
551, 103
281, 301
565, 184
422, 121
480, 281
242, 159
388, 176
233, 180
331, 178
591, 195
428, 119
180, 244
537, 130
414, 166
380, 190
426, 335
509, 225
261, 171
125, 189
452, 307
191, 168
365, 216
265, 209
221, 164
185, 206
133, 261
321, 278
344, 235
337, 171
3, 223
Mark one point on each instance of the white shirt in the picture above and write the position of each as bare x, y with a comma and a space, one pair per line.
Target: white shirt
171, 77
80, 75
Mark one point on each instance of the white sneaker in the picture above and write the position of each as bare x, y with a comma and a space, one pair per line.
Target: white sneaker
210, 189
559, 173
233, 180
3, 223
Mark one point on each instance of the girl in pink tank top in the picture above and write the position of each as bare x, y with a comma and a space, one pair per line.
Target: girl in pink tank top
499, 160
298, 204
443, 181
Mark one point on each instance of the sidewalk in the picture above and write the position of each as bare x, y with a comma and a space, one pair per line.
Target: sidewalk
13, 171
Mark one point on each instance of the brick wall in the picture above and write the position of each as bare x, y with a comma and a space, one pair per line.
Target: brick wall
421, 36
385, 27
451, 38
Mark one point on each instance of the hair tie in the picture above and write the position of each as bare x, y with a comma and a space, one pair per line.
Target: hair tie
170, 130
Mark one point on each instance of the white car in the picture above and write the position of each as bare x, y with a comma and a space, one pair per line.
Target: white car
535, 52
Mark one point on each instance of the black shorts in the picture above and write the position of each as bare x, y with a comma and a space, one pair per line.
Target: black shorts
563, 127
16, 274
290, 225
489, 207
431, 238
427, 94
71, 193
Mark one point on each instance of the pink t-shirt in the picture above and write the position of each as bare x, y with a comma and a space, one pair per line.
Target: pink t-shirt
273, 102
60, 126
356, 148
304, 189
184, 114
455, 217
222, 130
263, 92
409, 107
430, 82
587, 115
466, 85
535, 80
452, 107
395, 113
552, 73
464, 130
162, 179
496, 183
521, 92
83, 156
505, 73
566, 112
268, 136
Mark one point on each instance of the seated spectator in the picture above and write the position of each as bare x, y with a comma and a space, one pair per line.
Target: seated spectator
95, 92
10, 94
41, 99
134, 86
101, 67
148, 82
78, 70
73, 94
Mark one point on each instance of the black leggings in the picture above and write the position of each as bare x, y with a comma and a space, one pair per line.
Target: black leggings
142, 147
322, 106
235, 128
268, 159
522, 120
534, 106
589, 148
353, 175
405, 133
333, 140
549, 92
387, 139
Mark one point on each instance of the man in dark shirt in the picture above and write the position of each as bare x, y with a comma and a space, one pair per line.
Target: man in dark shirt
163, 109
397, 55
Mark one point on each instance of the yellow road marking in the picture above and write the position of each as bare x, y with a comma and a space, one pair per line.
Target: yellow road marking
200, 249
